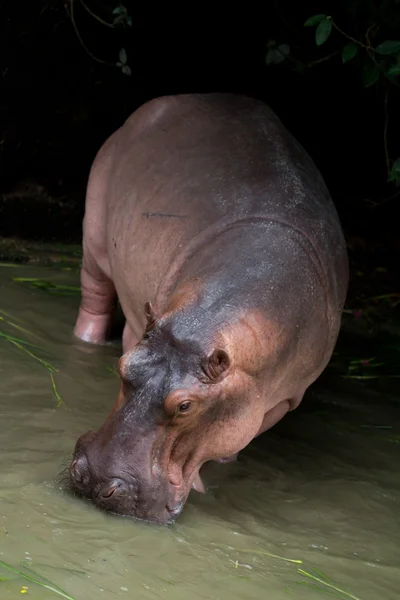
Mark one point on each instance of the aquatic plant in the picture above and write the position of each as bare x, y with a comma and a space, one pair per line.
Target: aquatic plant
29, 575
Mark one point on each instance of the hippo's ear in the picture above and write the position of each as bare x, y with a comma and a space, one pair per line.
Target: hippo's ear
216, 365
151, 315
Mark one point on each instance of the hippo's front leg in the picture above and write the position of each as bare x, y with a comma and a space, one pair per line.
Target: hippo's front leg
97, 303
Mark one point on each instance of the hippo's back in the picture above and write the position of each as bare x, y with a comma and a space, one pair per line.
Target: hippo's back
186, 167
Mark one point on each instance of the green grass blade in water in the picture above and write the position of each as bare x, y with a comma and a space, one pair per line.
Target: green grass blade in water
46, 364
12, 338
49, 286
345, 595
269, 554
60, 401
36, 578
321, 590
16, 326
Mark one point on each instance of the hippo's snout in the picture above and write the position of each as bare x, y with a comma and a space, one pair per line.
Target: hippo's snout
113, 494
109, 493
115, 487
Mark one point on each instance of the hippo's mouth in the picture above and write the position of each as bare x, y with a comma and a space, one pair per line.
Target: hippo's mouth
198, 484
175, 511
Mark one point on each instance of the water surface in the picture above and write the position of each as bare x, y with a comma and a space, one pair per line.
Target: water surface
322, 487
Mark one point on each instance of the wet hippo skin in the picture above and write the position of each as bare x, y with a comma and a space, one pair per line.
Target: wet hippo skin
216, 232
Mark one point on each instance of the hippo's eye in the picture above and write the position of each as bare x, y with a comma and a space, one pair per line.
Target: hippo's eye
184, 406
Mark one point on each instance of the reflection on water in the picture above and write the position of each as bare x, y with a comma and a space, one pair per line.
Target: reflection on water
322, 487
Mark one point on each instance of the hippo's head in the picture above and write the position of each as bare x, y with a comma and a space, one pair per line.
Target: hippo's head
180, 405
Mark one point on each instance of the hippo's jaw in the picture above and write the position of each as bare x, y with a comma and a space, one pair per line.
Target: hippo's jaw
155, 494
123, 496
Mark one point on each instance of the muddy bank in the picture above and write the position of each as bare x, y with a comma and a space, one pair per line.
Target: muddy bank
20, 251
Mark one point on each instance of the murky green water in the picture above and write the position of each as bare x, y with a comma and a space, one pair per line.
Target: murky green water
322, 487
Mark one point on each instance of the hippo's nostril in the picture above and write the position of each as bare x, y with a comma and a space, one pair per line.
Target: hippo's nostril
107, 493
79, 471
110, 489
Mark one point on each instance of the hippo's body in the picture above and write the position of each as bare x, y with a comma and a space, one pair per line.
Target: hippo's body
217, 233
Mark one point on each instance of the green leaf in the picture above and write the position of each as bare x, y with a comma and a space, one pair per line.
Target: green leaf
315, 20
273, 57
349, 51
394, 70
126, 70
122, 56
277, 55
370, 74
394, 174
323, 31
284, 49
388, 47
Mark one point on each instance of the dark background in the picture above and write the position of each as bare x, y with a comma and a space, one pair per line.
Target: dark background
58, 105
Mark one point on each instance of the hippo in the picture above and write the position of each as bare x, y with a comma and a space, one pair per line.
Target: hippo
215, 231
